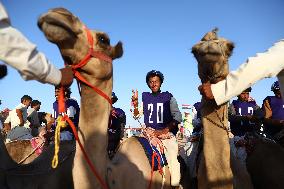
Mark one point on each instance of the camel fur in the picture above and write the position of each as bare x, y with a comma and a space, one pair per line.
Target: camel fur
214, 170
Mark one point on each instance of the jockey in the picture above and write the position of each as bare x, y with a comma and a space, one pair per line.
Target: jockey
241, 114
116, 126
162, 115
72, 110
273, 107
196, 122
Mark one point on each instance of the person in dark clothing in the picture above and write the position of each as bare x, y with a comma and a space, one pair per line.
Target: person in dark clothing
116, 127
72, 111
242, 114
273, 106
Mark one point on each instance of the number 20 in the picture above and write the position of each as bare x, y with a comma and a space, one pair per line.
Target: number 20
160, 108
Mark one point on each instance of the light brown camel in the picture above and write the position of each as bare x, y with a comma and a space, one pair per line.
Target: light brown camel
264, 164
129, 168
214, 170
21, 151
38, 173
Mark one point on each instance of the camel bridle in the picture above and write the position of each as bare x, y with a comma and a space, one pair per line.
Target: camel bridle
91, 54
61, 104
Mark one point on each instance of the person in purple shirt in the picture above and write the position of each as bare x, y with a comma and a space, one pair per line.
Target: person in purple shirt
116, 127
72, 110
273, 106
161, 113
242, 115
196, 122
160, 109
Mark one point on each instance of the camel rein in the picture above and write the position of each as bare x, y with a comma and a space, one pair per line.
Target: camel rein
61, 104
32, 152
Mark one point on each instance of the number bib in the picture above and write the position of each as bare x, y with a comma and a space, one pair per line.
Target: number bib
156, 109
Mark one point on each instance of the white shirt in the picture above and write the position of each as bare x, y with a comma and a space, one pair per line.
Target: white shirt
263, 65
14, 119
17, 51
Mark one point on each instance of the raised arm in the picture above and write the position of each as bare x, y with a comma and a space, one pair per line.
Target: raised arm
17, 51
263, 65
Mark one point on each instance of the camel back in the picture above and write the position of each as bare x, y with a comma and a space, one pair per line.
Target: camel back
39, 173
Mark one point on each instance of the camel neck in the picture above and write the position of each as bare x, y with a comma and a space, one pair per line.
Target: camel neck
94, 116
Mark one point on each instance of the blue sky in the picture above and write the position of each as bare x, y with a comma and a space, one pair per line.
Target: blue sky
156, 35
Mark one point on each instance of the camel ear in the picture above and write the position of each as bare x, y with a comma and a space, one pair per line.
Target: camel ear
230, 47
194, 51
3, 70
116, 51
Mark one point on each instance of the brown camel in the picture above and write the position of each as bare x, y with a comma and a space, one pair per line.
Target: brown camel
38, 173
129, 168
21, 151
214, 170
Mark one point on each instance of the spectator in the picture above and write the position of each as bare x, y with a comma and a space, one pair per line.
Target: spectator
18, 117
116, 127
34, 118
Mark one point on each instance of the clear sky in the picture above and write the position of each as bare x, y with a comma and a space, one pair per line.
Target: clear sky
156, 35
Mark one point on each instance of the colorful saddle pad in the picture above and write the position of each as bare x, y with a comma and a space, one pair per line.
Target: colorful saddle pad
149, 152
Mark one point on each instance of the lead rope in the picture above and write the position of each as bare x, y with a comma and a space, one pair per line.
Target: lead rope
61, 103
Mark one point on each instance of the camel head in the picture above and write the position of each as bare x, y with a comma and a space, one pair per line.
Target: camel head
212, 54
65, 30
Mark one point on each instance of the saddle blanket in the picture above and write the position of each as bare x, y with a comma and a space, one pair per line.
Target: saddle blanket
149, 152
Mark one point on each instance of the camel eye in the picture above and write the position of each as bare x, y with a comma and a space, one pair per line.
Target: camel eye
104, 40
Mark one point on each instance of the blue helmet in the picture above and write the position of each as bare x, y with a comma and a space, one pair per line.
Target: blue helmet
275, 86
153, 73
113, 97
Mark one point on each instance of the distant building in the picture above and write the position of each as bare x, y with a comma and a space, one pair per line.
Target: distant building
129, 132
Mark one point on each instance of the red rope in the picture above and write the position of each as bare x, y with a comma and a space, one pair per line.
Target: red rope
93, 169
61, 102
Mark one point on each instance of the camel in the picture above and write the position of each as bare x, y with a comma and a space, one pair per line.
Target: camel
21, 151
219, 166
215, 169
38, 173
129, 168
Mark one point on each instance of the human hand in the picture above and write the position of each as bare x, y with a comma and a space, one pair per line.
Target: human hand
205, 91
3, 70
113, 113
134, 102
161, 132
66, 76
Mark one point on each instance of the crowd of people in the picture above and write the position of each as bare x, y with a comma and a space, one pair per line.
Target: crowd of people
247, 117
25, 121
159, 109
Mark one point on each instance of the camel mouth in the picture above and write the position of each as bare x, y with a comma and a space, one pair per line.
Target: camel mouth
59, 24
49, 21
